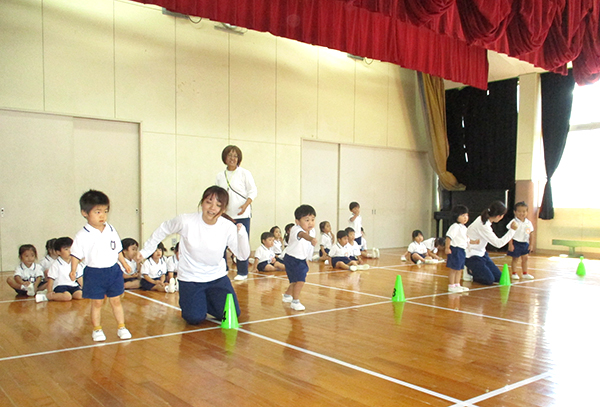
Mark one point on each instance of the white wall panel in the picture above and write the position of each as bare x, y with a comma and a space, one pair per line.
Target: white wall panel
371, 103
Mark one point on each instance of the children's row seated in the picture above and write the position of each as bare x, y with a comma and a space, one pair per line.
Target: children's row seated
345, 254
421, 250
157, 273
327, 242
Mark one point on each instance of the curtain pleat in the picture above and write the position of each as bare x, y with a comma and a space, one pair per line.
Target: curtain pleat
557, 100
446, 38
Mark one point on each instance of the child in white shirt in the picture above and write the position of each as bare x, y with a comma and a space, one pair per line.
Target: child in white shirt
50, 256
154, 271
131, 278
355, 252
28, 275
60, 286
327, 240
355, 221
417, 251
278, 243
265, 259
518, 247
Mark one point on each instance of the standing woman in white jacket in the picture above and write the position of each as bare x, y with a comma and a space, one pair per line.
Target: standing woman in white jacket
240, 186
478, 261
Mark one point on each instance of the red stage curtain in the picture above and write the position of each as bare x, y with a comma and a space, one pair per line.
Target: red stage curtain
441, 37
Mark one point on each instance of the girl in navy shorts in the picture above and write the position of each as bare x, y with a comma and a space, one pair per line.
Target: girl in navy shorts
456, 244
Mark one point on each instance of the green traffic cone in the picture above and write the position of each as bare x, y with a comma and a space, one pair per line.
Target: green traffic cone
505, 277
398, 295
398, 311
581, 268
230, 320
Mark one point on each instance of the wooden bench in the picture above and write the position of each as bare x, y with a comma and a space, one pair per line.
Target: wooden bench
572, 244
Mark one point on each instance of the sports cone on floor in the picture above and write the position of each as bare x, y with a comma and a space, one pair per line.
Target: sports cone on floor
230, 320
398, 295
505, 277
581, 268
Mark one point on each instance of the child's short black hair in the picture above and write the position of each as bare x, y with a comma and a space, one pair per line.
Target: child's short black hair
62, 242
128, 242
272, 230
304, 210
93, 198
458, 210
354, 205
440, 241
25, 247
416, 233
520, 204
349, 230
50, 244
341, 234
265, 235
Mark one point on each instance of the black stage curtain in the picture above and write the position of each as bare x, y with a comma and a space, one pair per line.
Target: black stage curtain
482, 135
557, 100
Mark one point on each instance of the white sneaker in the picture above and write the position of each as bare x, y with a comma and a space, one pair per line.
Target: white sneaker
455, 289
297, 306
172, 285
41, 297
419, 262
240, 277
30, 290
403, 258
463, 289
466, 275
168, 289
287, 298
363, 267
326, 262
515, 276
376, 252
353, 268
528, 277
124, 333
98, 335
430, 261
316, 257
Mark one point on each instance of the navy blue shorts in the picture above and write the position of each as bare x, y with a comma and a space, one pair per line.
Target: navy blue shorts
423, 255
521, 249
198, 299
295, 269
456, 259
101, 282
345, 260
358, 240
323, 252
261, 266
147, 285
66, 288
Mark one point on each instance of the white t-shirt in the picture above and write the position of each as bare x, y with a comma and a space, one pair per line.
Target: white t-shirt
264, 254
29, 273
99, 249
419, 248
524, 230
59, 271
457, 232
172, 264
326, 241
46, 262
430, 244
154, 269
298, 247
363, 243
484, 233
201, 246
277, 247
356, 225
337, 250
241, 181
354, 249
132, 264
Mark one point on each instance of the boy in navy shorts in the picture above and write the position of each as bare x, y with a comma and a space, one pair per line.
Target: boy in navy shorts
99, 244
300, 248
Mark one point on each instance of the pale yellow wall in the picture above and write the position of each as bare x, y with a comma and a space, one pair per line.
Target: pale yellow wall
195, 89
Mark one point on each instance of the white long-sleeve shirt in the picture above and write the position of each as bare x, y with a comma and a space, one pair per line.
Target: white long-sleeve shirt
201, 246
240, 186
484, 233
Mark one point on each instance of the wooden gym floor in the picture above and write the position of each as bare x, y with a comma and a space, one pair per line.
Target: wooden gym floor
535, 344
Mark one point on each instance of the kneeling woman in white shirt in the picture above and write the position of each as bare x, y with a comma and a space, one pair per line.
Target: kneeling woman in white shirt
478, 261
202, 276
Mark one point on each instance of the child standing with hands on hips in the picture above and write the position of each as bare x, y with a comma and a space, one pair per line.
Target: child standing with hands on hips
518, 247
99, 244
300, 248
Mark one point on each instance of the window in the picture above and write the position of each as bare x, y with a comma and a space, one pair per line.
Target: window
574, 182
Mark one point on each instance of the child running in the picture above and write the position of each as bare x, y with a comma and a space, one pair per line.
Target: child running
99, 244
300, 248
